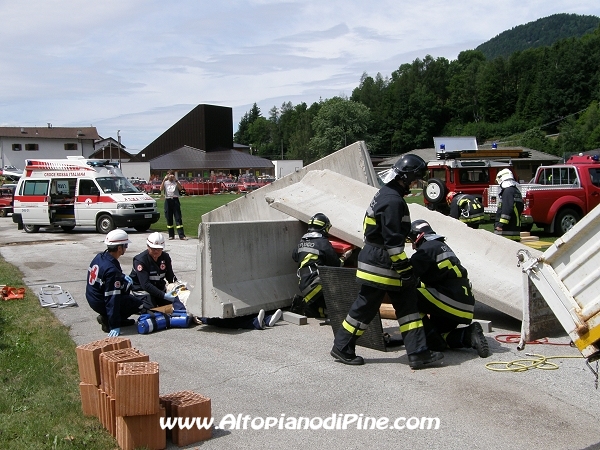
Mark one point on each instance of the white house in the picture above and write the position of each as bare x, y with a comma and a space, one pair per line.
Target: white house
20, 143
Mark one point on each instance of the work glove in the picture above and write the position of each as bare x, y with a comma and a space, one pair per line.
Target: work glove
129, 282
409, 280
114, 332
170, 297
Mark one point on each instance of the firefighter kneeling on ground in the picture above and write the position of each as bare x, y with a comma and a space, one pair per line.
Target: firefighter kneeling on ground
466, 208
152, 270
445, 299
314, 250
510, 206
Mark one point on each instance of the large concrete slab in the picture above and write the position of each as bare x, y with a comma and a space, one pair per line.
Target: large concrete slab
244, 252
244, 267
490, 259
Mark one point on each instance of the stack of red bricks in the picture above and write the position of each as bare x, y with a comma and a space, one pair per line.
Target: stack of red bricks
120, 386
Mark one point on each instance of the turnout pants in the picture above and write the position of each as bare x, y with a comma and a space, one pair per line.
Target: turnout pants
173, 210
366, 306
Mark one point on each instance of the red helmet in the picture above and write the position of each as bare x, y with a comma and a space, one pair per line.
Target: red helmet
450, 196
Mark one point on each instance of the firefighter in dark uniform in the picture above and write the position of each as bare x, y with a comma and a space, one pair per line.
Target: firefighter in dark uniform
383, 267
465, 207
107, 289
314, 250
445, 298
510, 206
152, 269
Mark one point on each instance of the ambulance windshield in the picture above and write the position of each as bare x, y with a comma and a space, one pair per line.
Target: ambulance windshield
116, 185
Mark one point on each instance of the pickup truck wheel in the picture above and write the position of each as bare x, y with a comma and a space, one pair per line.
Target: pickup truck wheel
104, 224
565, 220
31, 228
435, 191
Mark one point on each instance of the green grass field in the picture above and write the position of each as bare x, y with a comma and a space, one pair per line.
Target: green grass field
192, 209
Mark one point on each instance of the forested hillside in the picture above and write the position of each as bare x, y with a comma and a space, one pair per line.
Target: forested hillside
516, 101
543, 32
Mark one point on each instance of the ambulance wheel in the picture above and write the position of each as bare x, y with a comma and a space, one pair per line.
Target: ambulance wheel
31, 228
104, 224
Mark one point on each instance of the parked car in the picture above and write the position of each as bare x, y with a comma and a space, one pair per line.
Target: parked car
227, 185
247, 183
6, 200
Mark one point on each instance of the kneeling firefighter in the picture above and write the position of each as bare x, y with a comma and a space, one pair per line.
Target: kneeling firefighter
444, 297
314, 250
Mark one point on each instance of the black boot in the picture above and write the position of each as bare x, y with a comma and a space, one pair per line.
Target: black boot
351, 360
297, 305
474, 338
418, 360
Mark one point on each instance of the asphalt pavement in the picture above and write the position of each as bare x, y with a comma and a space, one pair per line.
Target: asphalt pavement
283, 374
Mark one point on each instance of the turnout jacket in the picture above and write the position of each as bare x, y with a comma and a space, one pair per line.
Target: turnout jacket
106, 285
313, 250
510, 207
466, 208
382, 262
152, 276
445, 280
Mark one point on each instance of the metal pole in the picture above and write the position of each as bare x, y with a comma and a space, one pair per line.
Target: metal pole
119, 149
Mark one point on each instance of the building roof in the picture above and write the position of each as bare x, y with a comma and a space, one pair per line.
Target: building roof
50, 132
189, 158
429, 154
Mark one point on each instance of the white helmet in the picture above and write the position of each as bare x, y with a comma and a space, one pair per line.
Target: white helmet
156, 240
503, 175
116, 237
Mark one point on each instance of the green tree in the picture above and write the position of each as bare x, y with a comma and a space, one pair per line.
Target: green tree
339, 123
241, 135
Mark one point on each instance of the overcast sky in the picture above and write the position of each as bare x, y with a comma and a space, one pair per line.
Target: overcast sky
140, 65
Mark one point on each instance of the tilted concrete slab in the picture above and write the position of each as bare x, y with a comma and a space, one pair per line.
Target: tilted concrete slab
244, 255
490, 259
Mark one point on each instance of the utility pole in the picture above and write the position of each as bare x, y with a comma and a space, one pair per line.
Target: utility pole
119, 143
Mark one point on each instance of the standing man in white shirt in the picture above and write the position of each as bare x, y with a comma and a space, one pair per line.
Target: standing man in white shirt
171, 186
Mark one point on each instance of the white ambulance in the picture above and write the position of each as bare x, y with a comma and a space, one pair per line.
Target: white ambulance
81, 192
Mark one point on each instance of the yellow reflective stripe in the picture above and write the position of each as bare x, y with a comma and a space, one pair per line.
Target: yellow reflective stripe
368, 221
308, 259
446, 264
411, 326
398, 257
504, 221
352, 330
378, 279
170, 226
444, 306
308, 297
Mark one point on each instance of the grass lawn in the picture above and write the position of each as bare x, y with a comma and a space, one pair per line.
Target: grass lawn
40, 407
192, 209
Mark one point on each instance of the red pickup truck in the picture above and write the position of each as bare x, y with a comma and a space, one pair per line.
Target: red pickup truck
560, 195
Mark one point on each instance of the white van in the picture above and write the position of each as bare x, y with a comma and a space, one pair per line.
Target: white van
82, 192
